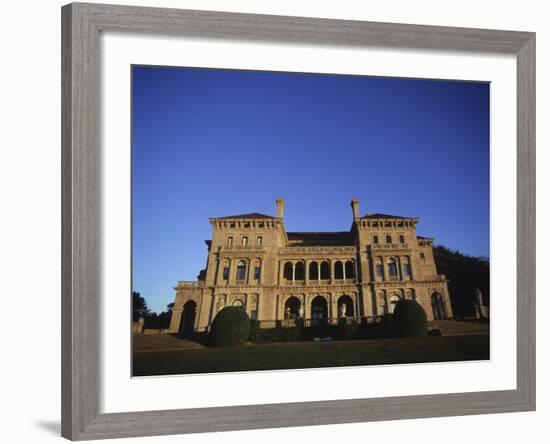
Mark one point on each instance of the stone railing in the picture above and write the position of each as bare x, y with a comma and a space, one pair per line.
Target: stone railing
190, 284
389, 246
243, 247
317, 249
348, 320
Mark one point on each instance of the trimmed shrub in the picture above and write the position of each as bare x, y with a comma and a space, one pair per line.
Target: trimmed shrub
409, 319
231, 327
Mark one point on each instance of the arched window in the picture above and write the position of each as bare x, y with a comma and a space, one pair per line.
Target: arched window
350, 270
406, 269
438, 307
325, 270
345, 306
292, 308
313, 271
338, 270
287, 272
241, 271
299, 271
392, 268
319, 310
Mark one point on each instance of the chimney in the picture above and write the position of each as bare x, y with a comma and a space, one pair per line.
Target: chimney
280, 207
355, 208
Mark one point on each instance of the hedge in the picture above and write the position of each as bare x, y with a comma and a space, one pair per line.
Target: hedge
409, 319
231, 327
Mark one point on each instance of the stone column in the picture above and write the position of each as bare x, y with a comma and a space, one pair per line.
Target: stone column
293, 272
344, 269
318, 271
306, 271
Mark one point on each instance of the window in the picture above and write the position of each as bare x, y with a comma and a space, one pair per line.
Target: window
388, 239
379, 270
241, 271
392, 268
230, 241
260, 224
247, 224
232, 225
259, 240
422, 257
245, 240
225, 273
257, 271
401, 239
406, 269
238, 303
375, 239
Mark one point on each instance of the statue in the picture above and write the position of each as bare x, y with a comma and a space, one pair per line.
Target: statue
343, 310
481, 311
301, 311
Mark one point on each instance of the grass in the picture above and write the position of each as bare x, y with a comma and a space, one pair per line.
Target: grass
312, 355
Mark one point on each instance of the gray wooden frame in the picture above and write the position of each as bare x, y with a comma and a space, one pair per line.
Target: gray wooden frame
81, 234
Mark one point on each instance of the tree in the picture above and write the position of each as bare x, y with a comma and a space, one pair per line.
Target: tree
465, 273
139, 307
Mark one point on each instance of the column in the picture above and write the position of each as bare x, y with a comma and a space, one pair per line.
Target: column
318, 271
344, 269
306, 272
293, 272
250, 270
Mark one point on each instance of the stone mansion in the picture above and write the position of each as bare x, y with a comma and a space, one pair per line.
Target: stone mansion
278, 275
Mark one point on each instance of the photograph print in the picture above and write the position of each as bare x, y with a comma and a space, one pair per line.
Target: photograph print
286, 220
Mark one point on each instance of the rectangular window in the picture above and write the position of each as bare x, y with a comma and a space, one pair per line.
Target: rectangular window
230, 241
392, 269
245, 240
260, 224
375, 239
379, 270
247, 224
422, 257
232, 225
406, 269
259, 240
257, 271
388, 239
401, 239
226, 273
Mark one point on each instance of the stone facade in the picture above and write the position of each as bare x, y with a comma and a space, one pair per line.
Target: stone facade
276, 275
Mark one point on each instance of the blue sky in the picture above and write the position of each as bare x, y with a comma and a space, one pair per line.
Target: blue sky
209, 143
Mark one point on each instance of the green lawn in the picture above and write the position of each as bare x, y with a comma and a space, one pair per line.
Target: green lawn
312, 354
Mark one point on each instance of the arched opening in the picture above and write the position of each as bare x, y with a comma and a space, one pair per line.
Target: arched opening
319, 309
350, 270
299, 271
392, 268
325, 270
438, 307
187, 322
395, 298
313, 271
287, 271
338, 270
292, 308
241, 271
345, 306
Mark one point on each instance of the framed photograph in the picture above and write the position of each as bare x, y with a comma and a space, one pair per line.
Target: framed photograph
278, 221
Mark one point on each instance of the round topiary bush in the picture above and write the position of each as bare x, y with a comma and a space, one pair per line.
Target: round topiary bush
231, 327
409, 319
